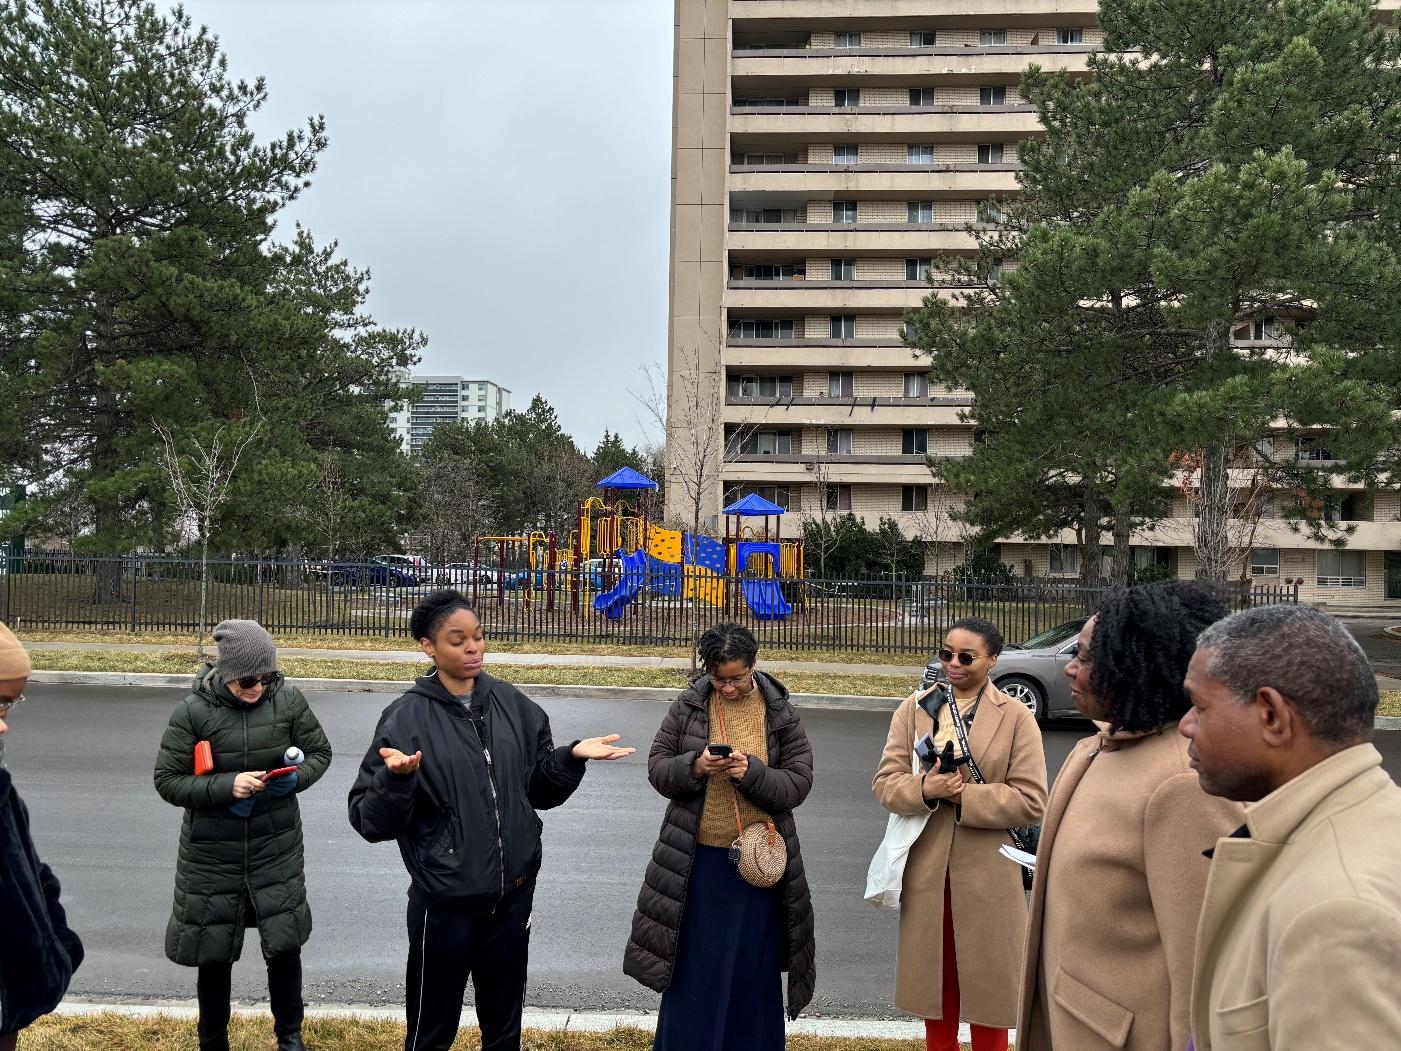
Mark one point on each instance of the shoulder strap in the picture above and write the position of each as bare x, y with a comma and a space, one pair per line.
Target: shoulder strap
734, 792
963, 735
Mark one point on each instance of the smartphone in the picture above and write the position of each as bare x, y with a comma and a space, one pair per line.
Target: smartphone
281, 771
721, 751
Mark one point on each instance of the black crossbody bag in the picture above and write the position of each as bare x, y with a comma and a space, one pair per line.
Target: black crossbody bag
1024, 837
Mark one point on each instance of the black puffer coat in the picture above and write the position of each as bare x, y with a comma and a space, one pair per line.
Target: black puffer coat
777, 788
227, 861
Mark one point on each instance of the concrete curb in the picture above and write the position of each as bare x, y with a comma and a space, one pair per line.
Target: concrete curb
630, 693
534, 1018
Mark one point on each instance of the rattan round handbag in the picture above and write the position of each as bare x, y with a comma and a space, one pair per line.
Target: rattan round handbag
758, 850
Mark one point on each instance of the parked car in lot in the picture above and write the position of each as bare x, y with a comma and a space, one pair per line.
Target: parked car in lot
413, 565
460, 575
1033, 671
363, 574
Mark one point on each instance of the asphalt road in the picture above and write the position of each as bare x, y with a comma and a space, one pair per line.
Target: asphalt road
82, 758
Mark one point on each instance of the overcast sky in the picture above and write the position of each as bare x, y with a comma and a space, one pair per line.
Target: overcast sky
501, 168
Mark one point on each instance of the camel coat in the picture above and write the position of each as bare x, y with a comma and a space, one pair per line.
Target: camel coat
1120, 878
989, 904
1300, 937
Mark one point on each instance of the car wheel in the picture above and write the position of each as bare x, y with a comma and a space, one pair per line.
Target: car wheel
1024, 691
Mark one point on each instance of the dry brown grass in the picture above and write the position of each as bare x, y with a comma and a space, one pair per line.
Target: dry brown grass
403, 645
524, 674
113, 1032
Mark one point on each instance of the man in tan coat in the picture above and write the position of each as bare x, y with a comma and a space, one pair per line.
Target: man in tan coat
1299, 944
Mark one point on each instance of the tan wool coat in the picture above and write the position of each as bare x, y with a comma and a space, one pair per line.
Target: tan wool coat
1120, 877
989, 904
1300, 937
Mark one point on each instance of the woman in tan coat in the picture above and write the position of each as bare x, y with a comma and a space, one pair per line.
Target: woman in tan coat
1120, 874
962, 907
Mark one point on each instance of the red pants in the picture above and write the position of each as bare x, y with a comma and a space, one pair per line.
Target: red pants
942, 1034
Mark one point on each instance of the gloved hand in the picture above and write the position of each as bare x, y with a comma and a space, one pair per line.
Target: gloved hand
281, 786
243, 807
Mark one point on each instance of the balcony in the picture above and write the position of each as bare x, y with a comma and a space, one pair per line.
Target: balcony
877, 181
802, 124
805, 239
821, 354
915, 14
802, 470
838, 412
820, 296
899, 66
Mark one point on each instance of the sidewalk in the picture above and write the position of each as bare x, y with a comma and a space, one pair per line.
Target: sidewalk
911, 671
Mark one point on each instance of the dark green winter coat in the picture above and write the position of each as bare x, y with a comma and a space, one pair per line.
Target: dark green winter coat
235, 872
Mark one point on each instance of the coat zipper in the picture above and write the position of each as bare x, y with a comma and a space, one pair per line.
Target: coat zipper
496, 808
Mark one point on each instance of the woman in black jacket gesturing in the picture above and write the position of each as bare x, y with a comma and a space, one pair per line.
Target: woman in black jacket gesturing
458, 767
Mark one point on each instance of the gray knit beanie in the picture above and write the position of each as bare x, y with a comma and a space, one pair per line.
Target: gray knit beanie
245, 648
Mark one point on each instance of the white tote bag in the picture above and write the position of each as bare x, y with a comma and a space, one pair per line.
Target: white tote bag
886, 876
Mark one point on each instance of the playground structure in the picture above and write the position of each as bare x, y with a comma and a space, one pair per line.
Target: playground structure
616, 556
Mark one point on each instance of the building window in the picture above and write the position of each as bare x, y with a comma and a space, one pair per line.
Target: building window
760, 387
847, 153
847, 98
914, 498
919, 154
920, 211
1264, 562
761, 329
764, 215
848, 40
918, 269
767, 443
921, 96
993, 38
1342, 569
840, 385
924, 38
762, 159
843, 211
991, 211
916, 385
838, 441
1314, 450
990, 153
1070, 36
843, 269
914, 442
837, 497
772, 271
992, 95
994, 271
778, 494
1065, 560
842, 326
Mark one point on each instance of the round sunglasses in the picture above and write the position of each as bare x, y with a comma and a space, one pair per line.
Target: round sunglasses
249, 681
963, 657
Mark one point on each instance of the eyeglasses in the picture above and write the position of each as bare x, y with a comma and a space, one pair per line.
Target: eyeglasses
5, 706
249, 681
963, 657
736, 682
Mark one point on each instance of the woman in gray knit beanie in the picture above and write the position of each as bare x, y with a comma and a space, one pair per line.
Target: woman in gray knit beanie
241, 863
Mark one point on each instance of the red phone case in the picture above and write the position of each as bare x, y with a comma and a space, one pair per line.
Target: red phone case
204, 758
281, 771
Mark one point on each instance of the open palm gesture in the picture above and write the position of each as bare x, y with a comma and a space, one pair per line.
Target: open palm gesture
601, 748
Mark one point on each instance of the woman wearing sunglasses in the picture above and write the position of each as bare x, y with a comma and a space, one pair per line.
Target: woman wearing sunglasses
962, 908
1120, 875
240, 862
731, 752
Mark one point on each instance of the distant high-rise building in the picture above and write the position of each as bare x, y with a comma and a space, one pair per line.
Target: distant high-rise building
444, 399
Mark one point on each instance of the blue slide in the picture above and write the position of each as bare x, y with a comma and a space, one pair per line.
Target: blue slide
612, 603
766, 599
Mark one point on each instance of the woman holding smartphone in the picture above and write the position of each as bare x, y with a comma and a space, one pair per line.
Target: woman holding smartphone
240, 863
731, 752
963, 910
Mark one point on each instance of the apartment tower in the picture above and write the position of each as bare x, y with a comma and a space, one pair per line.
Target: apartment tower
828, 157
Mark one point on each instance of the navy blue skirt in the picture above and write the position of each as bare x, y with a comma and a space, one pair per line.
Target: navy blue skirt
726, 991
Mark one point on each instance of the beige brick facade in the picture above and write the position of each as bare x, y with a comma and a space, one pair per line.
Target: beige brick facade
800, 54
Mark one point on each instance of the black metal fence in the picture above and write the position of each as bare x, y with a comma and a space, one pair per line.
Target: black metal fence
601, 604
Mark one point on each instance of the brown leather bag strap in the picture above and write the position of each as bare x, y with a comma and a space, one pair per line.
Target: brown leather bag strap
734, 792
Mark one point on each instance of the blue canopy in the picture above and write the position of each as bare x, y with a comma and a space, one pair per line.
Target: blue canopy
753, 506
626, 478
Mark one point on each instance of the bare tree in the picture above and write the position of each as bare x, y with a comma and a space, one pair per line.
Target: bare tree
458, 507
201, 479
690, 413
1230, 508
937, 526
819, 532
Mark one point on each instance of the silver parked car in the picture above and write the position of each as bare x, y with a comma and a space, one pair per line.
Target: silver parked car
1033, 671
